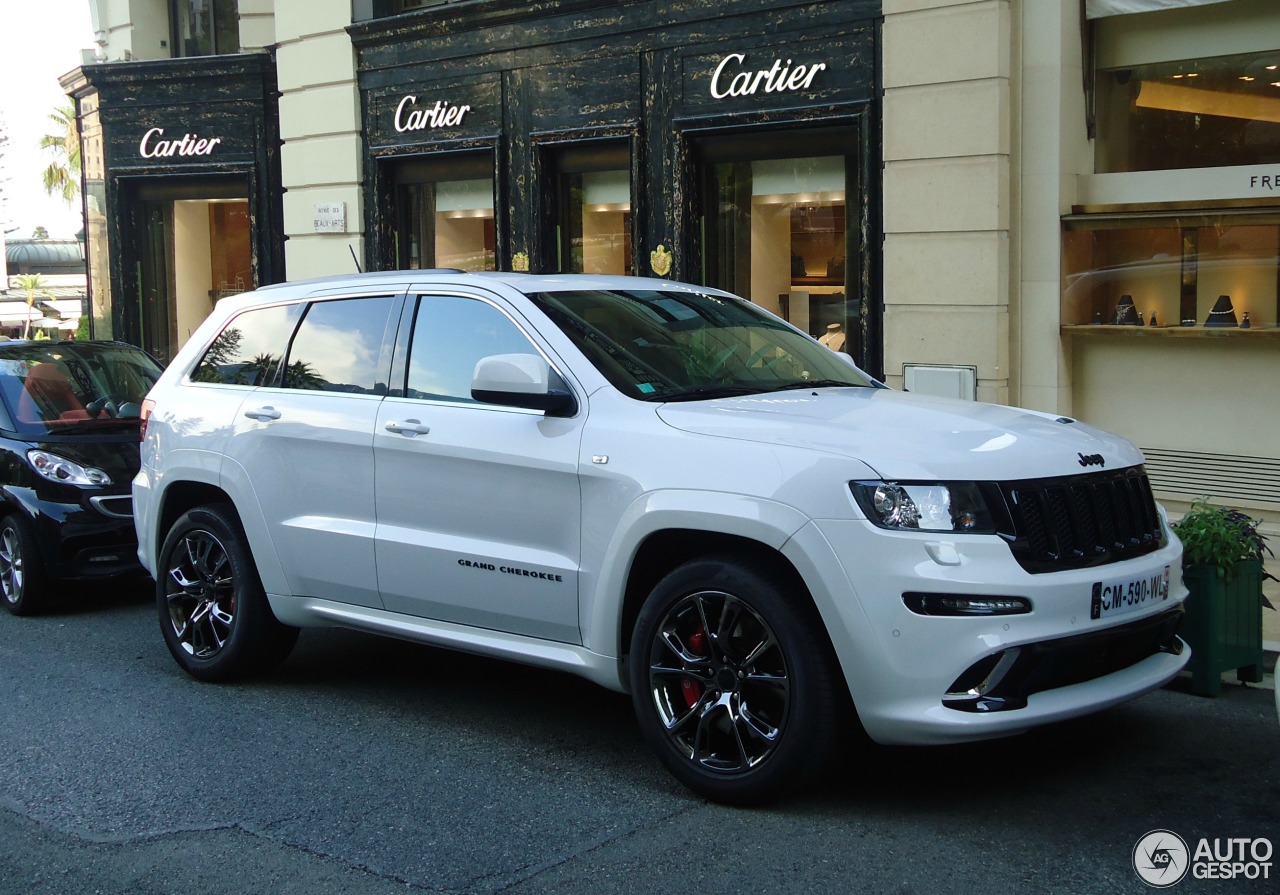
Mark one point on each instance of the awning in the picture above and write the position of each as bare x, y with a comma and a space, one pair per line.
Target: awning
15, 313
1098, 9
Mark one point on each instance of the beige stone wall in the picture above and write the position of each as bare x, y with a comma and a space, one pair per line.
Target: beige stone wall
321, 159
1052, 149
948, 157
257, 24
130, 29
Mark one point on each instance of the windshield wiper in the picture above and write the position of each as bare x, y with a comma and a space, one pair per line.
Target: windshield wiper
710, 392
814, 383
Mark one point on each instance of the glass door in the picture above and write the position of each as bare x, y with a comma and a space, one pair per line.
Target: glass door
191, 244
154, 275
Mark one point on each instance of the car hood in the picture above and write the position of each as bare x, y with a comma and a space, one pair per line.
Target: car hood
906, 436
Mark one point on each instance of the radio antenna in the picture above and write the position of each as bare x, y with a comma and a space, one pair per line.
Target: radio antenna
351, 249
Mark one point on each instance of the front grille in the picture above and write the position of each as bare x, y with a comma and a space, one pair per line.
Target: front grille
1078, 521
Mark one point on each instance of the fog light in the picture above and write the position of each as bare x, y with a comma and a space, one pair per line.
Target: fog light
964, 604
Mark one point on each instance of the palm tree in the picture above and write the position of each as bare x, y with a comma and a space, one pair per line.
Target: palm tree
32, 285
62, 177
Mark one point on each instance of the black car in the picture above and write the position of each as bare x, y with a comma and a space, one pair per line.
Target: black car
70, 414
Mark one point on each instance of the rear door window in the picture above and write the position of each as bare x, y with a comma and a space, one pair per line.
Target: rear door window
340, 345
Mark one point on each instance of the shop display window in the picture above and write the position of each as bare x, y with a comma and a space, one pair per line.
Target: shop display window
599, 222
779, 238
1189, 271
1194, 113
592, 217
448, 222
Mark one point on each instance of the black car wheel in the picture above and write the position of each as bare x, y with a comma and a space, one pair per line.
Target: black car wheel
24, 585
733, 680
213, 612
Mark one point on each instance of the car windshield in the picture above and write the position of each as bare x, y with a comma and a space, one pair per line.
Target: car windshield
64, 387
688, 346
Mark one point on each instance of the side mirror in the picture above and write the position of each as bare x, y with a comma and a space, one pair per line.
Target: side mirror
520, 380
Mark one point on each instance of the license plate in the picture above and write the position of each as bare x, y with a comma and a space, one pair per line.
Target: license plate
1129, 595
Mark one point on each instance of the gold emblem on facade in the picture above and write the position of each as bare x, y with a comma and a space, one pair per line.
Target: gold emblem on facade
520, 262
660, 260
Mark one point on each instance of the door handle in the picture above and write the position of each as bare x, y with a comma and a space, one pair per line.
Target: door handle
263, 414
408, 427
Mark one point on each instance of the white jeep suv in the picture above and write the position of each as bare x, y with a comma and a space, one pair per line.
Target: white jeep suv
659, 487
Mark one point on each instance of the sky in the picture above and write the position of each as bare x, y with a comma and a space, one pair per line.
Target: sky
40, 40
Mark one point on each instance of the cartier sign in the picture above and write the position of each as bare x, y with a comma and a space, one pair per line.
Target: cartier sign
154, 145
412, 117
733, 77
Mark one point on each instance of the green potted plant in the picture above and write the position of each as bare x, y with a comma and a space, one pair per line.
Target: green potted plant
1222, 567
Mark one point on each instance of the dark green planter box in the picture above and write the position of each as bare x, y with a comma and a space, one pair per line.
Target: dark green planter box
1223, 625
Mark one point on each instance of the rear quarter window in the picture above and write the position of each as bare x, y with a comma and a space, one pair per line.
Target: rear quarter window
250, 347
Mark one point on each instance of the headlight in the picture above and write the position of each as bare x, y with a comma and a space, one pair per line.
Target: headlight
925, 506
60, 469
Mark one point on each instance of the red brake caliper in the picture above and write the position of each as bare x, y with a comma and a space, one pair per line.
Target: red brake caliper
691, 689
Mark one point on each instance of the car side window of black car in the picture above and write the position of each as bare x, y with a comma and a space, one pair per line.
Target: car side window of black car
250, 347
339, 346
450, 334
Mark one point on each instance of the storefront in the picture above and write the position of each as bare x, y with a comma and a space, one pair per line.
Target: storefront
735, 147
181, 190
1171, 256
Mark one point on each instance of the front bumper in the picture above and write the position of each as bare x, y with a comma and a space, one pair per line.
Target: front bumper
88, 535
919, 679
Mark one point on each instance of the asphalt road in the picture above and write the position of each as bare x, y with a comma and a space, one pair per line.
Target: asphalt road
370, 766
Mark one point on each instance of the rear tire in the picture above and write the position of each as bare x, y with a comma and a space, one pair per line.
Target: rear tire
733, 680
213, 611
24, 584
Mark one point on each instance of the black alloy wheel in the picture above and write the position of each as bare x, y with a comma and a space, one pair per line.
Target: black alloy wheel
733, 680
24, 586
213, 612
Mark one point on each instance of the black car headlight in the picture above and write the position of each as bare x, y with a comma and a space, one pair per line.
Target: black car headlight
956, 507
64, 471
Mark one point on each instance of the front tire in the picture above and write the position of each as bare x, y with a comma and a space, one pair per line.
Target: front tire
213, 611
24, 584
733, 680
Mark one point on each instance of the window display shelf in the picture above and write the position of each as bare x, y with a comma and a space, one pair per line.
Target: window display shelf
1172, 332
